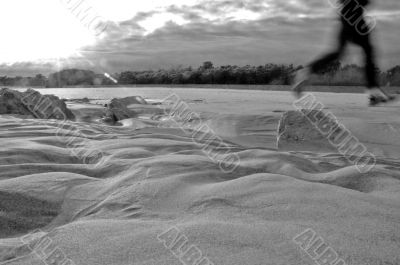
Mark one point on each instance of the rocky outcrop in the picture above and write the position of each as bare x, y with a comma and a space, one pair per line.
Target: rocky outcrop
135, 100
306, 131
117, 109
32, 104
80, 100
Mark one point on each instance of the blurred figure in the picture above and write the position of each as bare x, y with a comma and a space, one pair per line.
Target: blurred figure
354, 29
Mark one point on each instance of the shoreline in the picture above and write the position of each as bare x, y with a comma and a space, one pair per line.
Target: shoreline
326, 89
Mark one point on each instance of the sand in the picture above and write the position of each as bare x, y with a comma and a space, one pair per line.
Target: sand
154, 178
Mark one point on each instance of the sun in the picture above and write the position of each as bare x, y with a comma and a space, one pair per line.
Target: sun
46, 29
38, 30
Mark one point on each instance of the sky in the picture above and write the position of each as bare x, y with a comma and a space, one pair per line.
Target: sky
43, 36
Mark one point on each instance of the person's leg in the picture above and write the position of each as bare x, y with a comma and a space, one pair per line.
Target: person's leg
377, 95
321, 63
302, 76
370, 66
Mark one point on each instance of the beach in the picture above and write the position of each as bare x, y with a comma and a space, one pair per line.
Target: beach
154, 190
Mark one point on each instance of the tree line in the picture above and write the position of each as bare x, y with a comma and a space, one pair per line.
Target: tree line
335, 74
37, 81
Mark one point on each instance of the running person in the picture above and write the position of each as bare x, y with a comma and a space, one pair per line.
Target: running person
354, 29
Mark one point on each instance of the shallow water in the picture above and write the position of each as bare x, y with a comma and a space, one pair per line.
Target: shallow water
235, 113
230, 98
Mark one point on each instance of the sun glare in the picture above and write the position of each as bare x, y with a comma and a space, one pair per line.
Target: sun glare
46, 29
40, 31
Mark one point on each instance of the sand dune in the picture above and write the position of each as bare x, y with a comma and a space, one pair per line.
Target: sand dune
151, 176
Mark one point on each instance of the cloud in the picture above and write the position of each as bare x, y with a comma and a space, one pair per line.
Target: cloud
27, 68
285, 32
232, 32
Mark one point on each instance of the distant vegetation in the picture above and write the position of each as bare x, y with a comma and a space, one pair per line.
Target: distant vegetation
270, 74
208, 74
76, 77
39, 80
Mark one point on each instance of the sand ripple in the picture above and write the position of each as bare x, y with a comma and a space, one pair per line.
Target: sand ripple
109, 210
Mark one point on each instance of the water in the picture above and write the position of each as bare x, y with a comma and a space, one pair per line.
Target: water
223, 101
155, 92
231, 110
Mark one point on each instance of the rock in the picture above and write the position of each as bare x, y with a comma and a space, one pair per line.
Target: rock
80, 100
85, 100
301, 130
135, 100
11, 103
32, 103
117, 109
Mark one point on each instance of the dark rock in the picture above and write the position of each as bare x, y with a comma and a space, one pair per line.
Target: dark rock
135, 100
117, 109
85, 100
80, 100
32, 103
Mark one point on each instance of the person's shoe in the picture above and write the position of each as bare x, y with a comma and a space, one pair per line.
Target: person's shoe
378, 96
300, 81
374, 100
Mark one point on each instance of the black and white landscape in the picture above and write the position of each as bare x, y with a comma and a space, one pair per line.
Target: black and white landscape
165, 132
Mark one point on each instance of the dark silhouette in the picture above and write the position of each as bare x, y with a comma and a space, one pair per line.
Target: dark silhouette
354, 29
